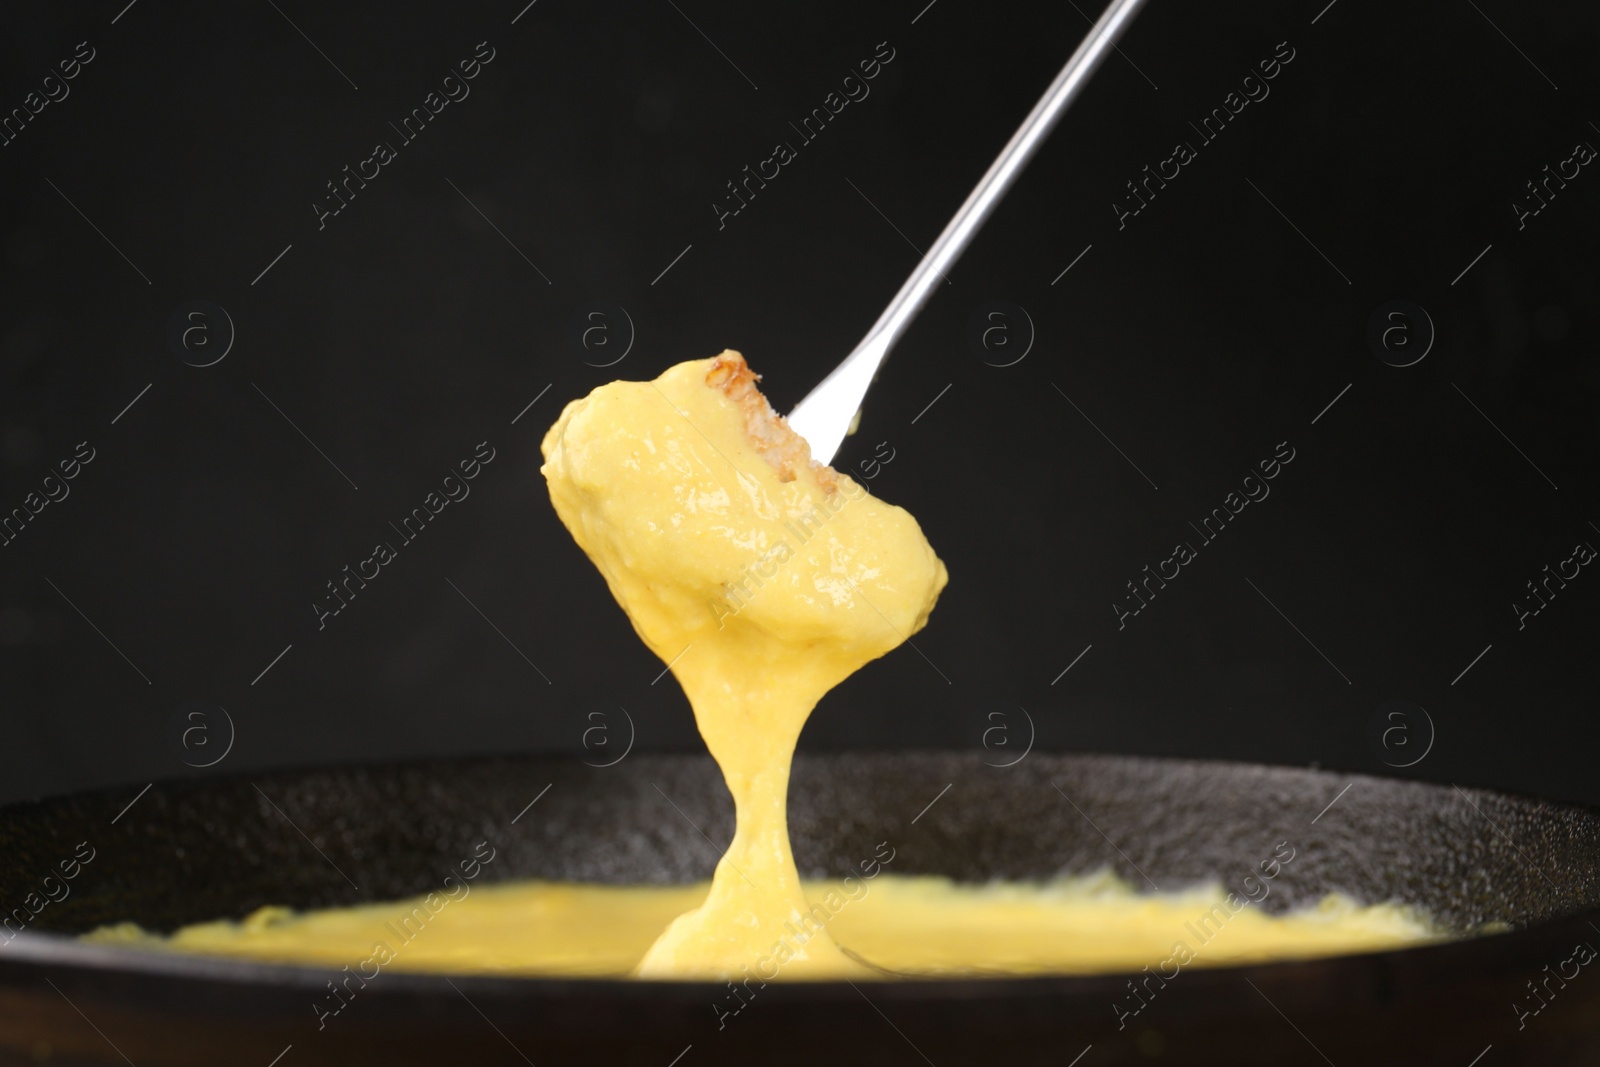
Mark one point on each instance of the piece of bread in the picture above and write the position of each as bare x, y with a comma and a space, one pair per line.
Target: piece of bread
786, 451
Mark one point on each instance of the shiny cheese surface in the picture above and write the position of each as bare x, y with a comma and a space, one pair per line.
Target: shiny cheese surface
905, 925
763, 581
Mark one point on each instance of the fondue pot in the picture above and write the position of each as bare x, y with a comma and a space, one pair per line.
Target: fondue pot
1525, 869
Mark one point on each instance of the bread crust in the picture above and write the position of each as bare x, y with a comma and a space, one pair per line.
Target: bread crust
786, 451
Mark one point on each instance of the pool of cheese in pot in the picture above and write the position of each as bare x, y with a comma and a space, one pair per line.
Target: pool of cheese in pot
906, 925
764, 580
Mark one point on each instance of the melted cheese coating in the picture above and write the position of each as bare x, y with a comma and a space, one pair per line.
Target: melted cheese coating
763, 580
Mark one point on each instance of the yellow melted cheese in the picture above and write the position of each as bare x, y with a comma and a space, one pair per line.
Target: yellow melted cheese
763, 580
905, 925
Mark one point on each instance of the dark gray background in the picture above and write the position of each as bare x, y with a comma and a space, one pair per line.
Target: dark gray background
406, 331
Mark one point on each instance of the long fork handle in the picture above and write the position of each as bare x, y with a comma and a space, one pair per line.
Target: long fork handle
823, 418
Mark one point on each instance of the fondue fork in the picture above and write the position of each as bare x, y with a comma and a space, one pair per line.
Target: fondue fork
827, 415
